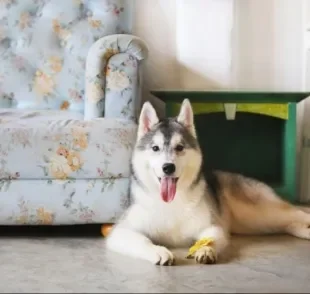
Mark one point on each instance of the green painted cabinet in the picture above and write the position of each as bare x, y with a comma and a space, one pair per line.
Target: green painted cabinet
253, 133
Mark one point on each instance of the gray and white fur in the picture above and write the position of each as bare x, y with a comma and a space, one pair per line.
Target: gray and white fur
174, 204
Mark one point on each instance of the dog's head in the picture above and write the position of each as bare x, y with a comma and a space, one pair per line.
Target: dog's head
167, 157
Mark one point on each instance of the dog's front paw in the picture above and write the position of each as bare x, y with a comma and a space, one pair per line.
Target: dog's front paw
163, 256
206, 255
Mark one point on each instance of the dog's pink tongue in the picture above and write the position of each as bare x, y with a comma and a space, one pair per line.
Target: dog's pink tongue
168, 188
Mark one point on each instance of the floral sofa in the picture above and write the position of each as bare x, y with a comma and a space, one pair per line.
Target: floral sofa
70, 79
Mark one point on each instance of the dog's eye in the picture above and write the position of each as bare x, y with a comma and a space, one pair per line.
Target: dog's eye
179, 148
155, 148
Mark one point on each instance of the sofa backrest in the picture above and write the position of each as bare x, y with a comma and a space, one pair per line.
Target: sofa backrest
44, 45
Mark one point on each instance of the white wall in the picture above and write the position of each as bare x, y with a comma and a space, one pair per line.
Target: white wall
222, 43
203, 38
269, 41
189, 42
155, 22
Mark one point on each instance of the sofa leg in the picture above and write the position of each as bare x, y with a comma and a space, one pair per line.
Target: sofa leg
105, 229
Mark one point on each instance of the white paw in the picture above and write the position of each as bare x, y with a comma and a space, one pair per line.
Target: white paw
299, 230
163, 256
205, 255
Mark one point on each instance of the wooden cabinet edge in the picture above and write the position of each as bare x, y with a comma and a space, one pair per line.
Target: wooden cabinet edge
278, 110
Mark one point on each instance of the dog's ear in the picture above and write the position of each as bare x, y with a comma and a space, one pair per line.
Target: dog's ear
148, 118
186, 117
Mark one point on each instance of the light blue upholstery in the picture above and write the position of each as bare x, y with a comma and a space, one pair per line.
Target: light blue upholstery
70, 79
124, 53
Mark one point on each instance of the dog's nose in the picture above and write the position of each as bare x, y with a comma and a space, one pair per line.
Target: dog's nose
168, 168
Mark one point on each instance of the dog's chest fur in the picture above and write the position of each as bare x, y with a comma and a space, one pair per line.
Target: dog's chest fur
174, 224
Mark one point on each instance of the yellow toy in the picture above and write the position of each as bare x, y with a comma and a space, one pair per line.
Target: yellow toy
199, 244
105, 229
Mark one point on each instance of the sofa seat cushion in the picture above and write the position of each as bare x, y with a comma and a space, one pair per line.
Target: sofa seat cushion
61, 145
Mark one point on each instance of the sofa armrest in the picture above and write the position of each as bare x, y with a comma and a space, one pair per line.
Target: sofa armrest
98, 66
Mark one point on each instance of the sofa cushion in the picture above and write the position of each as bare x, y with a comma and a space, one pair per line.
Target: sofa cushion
61, 145
44, 45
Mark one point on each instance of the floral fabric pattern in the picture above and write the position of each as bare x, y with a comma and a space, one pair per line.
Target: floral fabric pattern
60, 169
35, 148
112, 74
69, 89
44, 46
55, 202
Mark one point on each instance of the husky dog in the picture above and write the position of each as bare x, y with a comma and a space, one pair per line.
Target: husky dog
175, 204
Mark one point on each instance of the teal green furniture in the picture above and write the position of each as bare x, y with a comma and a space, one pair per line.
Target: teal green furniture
253, 133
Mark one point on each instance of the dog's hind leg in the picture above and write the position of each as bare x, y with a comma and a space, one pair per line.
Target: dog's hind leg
255, 208
287, 218
131, 243
269, 216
